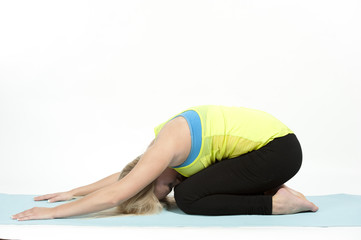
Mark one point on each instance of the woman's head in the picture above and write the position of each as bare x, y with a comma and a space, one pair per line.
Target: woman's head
164, 184
152, 198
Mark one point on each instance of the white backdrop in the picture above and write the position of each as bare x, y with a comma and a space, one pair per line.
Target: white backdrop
83, 83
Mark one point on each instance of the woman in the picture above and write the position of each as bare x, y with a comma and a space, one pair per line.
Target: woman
221, 161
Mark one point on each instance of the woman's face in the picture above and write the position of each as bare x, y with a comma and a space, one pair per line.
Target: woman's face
166, 182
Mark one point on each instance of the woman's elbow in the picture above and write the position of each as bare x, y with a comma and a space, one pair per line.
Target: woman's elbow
113, 198
115, 201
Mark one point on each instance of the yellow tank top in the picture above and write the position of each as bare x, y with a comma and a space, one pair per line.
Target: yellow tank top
228, 132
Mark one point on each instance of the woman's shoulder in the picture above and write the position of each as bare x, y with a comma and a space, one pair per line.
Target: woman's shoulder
176, 135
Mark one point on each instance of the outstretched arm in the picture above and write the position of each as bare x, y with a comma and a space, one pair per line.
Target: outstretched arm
85, 190
152, 163
80, 191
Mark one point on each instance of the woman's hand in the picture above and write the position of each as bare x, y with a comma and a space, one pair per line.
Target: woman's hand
55, 197
35, 213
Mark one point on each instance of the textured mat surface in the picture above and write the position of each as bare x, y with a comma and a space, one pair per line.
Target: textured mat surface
335, 210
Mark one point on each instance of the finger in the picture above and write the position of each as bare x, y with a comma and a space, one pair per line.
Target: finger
23, 217
33, 214
56, 199
16, 216
20, 215
26, 217
45, 197
24, 213
40, 198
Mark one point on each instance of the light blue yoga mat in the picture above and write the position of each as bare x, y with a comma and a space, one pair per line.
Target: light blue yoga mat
335, 210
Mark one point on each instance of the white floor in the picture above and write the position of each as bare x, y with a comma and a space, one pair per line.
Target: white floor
71, 232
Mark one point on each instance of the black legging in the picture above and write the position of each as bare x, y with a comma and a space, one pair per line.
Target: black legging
237, 185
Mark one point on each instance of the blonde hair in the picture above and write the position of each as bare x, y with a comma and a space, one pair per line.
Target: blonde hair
145, 201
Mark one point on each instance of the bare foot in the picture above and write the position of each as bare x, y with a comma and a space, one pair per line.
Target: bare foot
294, 192
285, 202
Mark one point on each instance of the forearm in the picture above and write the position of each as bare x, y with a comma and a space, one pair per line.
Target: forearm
85, 190
94, 202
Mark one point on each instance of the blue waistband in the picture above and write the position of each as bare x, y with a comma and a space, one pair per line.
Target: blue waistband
195, 127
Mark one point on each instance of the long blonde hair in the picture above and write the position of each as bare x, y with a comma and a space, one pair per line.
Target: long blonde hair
145, 201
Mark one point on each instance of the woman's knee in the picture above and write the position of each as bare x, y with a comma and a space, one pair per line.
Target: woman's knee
184, 198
